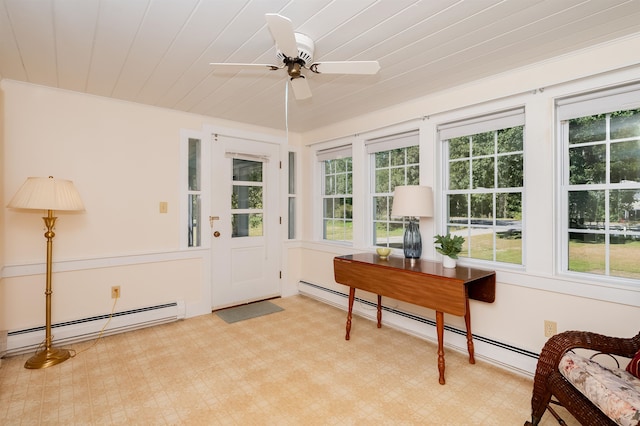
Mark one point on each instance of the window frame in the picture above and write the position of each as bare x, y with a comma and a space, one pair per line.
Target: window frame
205, 187
292, 185
332, 154
507, 118
596, 102
403, 140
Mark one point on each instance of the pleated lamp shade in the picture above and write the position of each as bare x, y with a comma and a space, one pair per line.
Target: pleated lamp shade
412, 201
39, 193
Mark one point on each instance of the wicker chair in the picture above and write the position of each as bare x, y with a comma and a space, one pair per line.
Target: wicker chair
548, 382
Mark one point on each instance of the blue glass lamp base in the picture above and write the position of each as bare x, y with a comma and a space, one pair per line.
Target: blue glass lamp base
412, 240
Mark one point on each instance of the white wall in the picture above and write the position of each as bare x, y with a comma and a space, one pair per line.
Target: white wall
124, 160
536, 292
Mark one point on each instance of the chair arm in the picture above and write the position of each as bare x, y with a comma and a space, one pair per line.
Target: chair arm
555, 348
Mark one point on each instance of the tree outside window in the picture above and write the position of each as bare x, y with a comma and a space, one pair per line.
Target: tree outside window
602, 192
337, 201
483, 192
391, 168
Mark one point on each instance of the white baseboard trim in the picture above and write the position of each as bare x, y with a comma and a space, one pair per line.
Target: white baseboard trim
517, 360
28, 340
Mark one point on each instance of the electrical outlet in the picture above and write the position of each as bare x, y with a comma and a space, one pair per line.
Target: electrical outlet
550, 328
115, 292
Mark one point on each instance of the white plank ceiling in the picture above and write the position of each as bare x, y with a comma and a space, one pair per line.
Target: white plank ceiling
157, 52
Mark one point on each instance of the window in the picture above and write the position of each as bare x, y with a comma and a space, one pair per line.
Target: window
247, 198
194, 193
483, 184
600, 140
394, 161
291, 206
337, 190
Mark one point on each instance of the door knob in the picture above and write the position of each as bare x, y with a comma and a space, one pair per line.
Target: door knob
216, 234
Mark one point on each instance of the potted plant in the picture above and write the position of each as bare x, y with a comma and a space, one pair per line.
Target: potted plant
449, 246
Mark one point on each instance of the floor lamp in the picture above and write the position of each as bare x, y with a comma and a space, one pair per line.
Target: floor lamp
49, 194
412, 201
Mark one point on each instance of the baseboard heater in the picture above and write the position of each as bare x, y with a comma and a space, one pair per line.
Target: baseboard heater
516, 359
28, 340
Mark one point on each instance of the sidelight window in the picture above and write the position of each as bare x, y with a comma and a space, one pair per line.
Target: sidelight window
194, 193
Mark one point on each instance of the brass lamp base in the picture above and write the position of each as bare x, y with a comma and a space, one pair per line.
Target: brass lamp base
47, 358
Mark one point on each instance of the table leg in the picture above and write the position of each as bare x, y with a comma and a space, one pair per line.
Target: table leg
467, 320
352, 293
379, 311
440, 331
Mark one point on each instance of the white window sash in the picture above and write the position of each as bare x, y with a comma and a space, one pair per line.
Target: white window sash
599, 102
403, 140
334, 153
481, 124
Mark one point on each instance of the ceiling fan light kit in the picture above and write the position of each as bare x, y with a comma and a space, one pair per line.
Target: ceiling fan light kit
294, 51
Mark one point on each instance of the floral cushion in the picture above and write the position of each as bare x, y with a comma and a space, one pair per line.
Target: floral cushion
614, 391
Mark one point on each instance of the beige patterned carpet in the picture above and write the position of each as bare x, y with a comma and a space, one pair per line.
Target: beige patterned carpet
289, 368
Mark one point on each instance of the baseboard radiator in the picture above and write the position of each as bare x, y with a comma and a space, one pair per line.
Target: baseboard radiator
518, 360
28, 340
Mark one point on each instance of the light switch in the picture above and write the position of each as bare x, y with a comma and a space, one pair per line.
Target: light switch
164, 206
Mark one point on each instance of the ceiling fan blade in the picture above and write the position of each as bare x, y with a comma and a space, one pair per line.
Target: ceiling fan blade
301, 88
346, 67
282, 31
229, 66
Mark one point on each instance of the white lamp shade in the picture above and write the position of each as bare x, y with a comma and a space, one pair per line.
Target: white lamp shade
41, 193
412, 201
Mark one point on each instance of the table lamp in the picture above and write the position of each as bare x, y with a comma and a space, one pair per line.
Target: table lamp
49, 194
413, 202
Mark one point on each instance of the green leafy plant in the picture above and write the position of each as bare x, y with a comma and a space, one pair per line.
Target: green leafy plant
450, 245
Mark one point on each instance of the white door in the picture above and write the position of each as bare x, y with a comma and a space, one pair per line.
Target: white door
244, 221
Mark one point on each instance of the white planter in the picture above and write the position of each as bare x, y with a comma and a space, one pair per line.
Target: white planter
448, 262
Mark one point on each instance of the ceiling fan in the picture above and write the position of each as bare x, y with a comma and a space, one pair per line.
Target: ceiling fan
295, 53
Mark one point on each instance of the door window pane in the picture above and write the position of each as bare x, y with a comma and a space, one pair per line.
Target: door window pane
246, 225
247, 199
247, 170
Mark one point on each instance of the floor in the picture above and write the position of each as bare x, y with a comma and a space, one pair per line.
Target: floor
288, 368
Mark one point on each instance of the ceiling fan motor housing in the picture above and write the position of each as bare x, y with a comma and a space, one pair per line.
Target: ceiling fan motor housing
305, 49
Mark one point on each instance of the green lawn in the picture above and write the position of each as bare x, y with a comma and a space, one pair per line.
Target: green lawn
584, 257
590, 257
